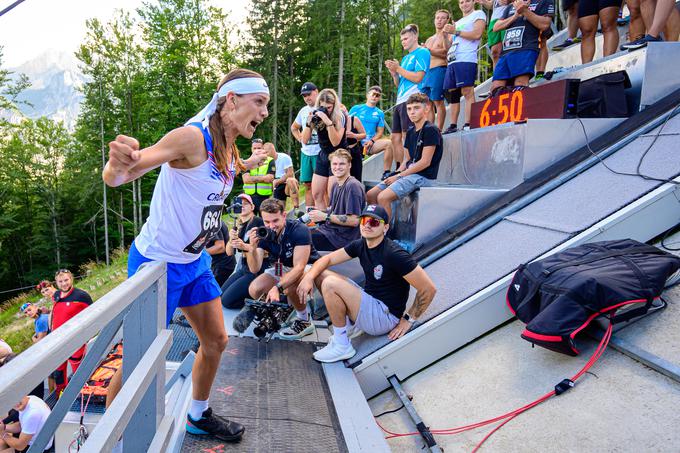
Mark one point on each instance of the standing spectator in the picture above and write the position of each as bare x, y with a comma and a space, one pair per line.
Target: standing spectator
290, 249
495, 38
665, 14
461, 71
46, 289
285, 184
424, 145
340, 224
235, 289
310, 147
406, 76
258, 182
606, 12
571, 8
222, 264
41, 321
380, 307
433, 85
522, 21
373, 120
356, 133
18, 437
330, 123
68, 302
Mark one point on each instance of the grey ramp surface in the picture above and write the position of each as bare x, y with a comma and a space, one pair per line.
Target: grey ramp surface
482, 261
598, 192
545, 223
279, 393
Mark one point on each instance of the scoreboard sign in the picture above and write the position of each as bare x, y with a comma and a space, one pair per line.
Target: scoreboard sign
551, 100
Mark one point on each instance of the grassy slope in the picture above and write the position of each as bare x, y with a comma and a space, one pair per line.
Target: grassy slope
17, 330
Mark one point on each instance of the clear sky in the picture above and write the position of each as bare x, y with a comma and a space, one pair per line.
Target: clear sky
35, 26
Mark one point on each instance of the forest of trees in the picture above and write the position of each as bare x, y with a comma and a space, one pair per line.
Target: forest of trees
147, 72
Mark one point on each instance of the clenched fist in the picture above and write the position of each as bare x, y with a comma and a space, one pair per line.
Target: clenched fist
123, 154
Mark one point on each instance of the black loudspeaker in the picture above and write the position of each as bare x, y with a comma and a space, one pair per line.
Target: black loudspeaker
604, 96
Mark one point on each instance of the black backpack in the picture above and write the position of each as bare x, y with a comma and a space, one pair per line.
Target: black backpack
558, 296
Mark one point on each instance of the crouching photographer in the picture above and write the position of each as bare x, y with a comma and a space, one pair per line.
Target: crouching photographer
290, 248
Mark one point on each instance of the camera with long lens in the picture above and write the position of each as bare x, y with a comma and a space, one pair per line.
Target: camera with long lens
268, 317
316, 121
265, 234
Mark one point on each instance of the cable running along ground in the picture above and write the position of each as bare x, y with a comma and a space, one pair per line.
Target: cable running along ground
505, 418
644, 154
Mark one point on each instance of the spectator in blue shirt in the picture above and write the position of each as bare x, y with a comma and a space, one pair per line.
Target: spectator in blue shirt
408, 78
373, 120
41, 321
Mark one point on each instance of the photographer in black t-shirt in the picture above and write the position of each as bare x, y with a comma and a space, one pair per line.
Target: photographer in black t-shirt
235, 289
379, 308
290, 248
425, 147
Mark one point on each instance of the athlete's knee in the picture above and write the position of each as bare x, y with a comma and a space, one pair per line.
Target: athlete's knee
216, 344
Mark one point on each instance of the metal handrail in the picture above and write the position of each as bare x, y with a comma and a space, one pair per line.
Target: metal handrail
138, 304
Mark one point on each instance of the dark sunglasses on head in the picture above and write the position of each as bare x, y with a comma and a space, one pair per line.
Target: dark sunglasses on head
62, 271
371, 222
256, 141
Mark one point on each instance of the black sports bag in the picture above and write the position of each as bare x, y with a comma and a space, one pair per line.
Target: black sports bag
558, 296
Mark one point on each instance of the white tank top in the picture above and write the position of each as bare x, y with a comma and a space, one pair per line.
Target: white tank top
186, 210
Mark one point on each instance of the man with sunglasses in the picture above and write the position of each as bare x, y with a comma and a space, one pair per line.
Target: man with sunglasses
310, 149
68, 302
373, 120
41, 321
380, 307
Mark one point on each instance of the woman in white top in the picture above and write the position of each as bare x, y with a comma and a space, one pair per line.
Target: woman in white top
461, 72
198, 164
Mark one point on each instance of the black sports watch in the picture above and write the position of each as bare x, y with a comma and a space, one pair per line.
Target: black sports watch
408, 319
280, 288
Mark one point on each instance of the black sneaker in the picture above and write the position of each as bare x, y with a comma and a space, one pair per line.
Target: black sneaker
640, 43
563, 45
452, 129
386, 174
213, 425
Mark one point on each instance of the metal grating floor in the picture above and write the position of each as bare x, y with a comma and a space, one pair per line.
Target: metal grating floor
183, 338
279, 393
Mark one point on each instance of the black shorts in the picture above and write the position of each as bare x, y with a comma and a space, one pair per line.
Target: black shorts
400, 120
323, 164
321, 243
280, 192
566, 4
593, 7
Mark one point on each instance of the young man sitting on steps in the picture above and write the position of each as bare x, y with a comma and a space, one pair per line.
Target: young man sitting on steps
378, 308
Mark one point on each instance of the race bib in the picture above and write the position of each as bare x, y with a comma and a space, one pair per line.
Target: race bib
451, 54
513, 38
210, 225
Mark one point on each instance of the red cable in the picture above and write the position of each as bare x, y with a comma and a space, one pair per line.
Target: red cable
602, 346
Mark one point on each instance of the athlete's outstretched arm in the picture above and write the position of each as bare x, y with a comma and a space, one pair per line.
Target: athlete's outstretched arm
127, 162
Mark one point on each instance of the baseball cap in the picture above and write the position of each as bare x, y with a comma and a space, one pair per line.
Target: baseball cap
307, 88
25, 306
377, 212
246, 197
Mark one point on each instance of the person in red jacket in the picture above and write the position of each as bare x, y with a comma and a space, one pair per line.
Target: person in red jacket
68, 302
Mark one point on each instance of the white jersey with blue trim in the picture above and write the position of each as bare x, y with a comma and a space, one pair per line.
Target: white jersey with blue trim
186, 210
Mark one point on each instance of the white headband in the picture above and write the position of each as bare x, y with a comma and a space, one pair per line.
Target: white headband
248, 85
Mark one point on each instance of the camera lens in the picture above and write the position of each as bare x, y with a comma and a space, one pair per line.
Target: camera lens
262, 232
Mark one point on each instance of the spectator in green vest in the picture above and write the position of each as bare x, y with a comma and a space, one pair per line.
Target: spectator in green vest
258, 182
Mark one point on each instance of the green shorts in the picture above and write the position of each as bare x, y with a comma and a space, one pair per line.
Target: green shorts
307, 166
494, 37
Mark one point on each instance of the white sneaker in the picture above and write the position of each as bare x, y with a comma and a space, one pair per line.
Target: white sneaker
334, 352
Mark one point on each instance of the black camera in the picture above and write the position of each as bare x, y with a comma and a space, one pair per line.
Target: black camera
316, 121
236, 207
268, 317
266, 234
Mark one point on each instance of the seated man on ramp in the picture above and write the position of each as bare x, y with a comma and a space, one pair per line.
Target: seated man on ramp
380, 307
290, 248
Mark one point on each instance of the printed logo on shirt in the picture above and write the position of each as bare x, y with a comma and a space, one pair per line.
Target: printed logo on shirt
378, 272
516, 287
513, 38
217, 197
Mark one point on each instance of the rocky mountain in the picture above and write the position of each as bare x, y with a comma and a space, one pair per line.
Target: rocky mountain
55, 82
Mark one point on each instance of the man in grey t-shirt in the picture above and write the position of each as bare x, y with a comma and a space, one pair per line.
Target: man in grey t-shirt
339, 225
